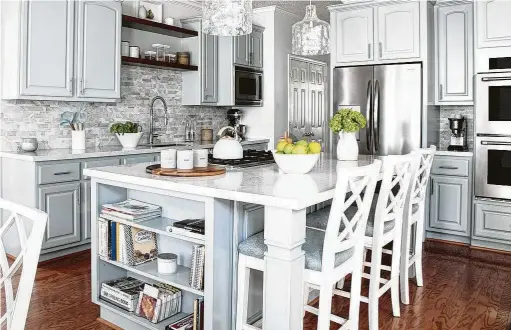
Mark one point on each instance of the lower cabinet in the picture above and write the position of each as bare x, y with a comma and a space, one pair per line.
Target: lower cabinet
492, 220
86, 208
62, 203
449, 204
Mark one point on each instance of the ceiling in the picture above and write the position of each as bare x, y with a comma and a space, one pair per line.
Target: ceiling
298, 6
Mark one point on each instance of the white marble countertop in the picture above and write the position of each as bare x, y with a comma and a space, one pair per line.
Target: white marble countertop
259, 185
445, 152
62, 154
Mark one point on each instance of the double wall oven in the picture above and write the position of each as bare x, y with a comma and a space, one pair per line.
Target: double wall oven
493, 130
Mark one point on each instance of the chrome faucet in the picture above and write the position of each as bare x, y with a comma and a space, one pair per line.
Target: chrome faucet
151, 115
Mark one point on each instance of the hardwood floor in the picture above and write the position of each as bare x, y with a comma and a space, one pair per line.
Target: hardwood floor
458, 293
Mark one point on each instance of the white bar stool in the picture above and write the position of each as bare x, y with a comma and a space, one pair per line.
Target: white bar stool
329, 255
414, 214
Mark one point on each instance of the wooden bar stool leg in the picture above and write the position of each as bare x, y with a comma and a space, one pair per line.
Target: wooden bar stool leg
405, 266
374, 286
325, 305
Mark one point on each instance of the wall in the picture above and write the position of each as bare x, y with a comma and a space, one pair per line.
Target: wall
445, 132
139, 85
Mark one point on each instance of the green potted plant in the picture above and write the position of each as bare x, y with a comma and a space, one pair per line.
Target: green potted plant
347, 122
128, 133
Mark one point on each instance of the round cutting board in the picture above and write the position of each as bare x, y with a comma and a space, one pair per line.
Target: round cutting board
195, 172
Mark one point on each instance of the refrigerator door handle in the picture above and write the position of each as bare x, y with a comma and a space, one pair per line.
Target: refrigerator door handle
376, 115
368, 105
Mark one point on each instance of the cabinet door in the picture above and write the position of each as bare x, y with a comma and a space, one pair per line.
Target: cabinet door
493, 23
61, 202
138, 159
398, 31
47, 48
85, 204
449, 204
209, 68
455, 63
241, 49
256, 47
99, 43
353, 35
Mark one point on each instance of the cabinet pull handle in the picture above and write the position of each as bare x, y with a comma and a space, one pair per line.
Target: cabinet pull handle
81, 86
431, 187
369, 51
448, 167
62, 173
380, 46
441, 91
79, 196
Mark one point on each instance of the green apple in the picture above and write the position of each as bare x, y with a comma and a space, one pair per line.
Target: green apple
314, 147
281, 145
288, 149
302, 143
300, 150
279, 152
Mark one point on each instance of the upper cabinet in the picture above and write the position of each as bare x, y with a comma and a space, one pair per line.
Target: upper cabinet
455, 54
61, 50
353, 32
398, 31
98, 51
493, 23
248, 49
376, 34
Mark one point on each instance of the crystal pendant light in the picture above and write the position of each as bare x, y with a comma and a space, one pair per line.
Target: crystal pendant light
227, 17
311, 36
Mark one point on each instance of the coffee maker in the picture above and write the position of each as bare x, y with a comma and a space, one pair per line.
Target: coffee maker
234, 118
458, 126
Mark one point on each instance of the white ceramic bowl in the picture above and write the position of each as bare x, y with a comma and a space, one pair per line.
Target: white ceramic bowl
295, 164
129, 140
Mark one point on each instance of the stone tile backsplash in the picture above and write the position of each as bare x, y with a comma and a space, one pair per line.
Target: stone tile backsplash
139, 85
445, 133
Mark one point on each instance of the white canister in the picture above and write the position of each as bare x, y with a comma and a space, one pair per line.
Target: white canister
168, 158
167, 263
169, 20
185, 159
78, 140
134, 51
200, 158
125, 48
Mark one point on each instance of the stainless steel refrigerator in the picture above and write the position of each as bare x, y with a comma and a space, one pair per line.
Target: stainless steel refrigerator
389, 96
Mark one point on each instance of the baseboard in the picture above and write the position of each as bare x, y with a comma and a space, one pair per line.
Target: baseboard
108, 324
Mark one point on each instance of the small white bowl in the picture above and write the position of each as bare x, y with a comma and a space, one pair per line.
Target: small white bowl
129, 140
295, 164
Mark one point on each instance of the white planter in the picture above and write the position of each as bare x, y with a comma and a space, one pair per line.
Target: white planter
78, 140
129, 140
347, 146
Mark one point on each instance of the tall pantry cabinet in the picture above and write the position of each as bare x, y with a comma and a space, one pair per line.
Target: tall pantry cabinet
61, 50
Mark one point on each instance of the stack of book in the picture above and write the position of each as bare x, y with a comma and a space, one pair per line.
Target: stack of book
196, 279
123, 292
131, 210
193, 228
193, 321
158, 302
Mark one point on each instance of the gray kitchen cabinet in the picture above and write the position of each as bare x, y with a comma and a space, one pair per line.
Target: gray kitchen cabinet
62, 203
241, 49
85, 204
492, 223
492, 23
98, 52
47, 48
256, 47
138, 159
449, 204
455, 53
209, 71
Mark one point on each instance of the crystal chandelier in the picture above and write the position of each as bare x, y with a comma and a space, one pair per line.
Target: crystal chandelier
227, 17
311, 36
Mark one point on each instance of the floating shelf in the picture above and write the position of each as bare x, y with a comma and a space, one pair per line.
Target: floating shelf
155, 27
157, 64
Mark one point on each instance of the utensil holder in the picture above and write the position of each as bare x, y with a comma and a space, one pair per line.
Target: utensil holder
78, 140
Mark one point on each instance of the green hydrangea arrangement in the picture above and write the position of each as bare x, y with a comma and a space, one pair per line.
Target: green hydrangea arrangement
347, 120
127, 127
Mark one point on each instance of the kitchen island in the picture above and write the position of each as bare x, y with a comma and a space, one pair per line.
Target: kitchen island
284, 198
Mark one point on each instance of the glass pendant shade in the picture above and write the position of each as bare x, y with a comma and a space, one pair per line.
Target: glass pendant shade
311, 36
227, 17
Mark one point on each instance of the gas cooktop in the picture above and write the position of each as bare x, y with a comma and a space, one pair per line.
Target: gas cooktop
250, 158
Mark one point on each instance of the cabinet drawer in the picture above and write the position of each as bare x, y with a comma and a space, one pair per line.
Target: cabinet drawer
52, 173
100, 163
493, 221
449, 166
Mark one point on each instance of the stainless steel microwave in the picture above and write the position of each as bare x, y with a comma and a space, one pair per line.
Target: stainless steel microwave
248, 87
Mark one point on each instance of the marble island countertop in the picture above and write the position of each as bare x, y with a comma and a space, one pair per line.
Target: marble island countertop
105, 151
259, 185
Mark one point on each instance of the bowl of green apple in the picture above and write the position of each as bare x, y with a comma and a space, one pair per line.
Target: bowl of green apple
296, 158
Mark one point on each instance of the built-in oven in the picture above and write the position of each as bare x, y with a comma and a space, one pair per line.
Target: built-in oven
493, 167
248, 87
493, 103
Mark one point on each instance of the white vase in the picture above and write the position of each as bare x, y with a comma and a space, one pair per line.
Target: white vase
129, 140
78, 140
347, 146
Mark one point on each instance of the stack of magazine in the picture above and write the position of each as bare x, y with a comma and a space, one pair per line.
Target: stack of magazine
131, 210
194, 321
196, 279
122, 292
158, 302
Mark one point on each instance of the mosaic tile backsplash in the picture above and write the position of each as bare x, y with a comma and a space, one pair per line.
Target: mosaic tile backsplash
139, 85
445, 133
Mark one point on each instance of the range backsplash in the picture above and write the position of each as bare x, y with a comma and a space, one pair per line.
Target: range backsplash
139, 85
445, 133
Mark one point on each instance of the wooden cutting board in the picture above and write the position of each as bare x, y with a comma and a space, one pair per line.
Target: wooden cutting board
195, 172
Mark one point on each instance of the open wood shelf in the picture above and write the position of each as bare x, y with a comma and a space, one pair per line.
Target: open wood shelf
157, 64
155, 27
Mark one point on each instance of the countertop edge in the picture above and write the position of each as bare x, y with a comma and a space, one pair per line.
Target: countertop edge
468, 153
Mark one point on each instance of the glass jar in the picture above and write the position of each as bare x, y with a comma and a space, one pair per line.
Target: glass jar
160, 54
150, 55
183, 58
171, 57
